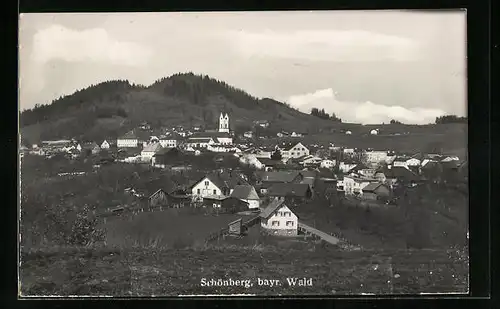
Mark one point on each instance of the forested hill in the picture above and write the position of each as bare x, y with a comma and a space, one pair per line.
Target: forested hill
111, 108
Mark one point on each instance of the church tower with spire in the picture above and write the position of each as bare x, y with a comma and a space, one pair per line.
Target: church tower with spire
224, 123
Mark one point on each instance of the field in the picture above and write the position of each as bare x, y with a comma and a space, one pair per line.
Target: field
169, 229
450, 138
146, 272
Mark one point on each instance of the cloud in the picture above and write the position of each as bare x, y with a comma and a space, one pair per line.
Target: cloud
324, 45
95, 45
362, 112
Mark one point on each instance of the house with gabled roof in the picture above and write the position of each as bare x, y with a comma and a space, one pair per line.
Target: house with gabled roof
280, 177
149, 151
376, 190
293, 150
247, 194
291, 192
216, 184
277, 218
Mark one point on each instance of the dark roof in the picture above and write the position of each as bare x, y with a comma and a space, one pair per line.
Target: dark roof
210, 134
400, 173
271, 208
199, 140
269, 162
372, 187
309, 173
289, 189
246, 192
287, 145
224, 180
140, 135
280, 176
166, 150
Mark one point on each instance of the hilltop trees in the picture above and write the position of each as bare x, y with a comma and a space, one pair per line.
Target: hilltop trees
450, 119
320, 113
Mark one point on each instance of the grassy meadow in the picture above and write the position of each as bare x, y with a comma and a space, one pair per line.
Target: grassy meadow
169, 272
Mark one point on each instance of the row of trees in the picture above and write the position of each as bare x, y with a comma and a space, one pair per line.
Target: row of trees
320, 113
450, 119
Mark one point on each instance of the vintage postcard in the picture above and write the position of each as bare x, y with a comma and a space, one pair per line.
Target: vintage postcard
243, 153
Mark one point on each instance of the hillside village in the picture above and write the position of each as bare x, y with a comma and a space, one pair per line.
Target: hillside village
252, 177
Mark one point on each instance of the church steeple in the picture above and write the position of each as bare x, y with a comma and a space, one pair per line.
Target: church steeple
224, 122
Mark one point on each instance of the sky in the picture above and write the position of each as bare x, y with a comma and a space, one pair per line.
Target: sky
365, 66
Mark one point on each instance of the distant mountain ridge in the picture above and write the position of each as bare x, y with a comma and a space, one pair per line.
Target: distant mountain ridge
111, 108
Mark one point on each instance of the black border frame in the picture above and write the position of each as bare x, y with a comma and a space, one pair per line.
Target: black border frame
479, 63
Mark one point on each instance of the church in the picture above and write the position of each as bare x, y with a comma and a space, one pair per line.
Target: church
222, 136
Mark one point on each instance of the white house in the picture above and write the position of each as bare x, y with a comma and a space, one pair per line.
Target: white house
375, 156
327, 163
354, 185
167, 142
348, 151
207, 187
78, 147
406, 162
450, 158
293, 151
374, 132
149, 151
296, 134
128, 140
345, 167
251, 160
105, 145
248, 134
348, 132
278, 219
200, 142
247, 194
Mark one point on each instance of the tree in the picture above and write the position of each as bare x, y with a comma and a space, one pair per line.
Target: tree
276, 155
451, 119
395, 122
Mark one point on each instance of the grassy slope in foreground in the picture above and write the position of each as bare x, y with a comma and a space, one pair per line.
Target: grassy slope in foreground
174, 272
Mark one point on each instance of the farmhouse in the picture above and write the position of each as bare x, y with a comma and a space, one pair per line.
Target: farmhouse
269, 164
165, 156
247, 194
105, 144
159, 199
92, 147
278, 219
292, 192
293, 150
280, 177
217, 184
354, 185
374, 132
346, 166
149, 151
225, 204
374, 191
400, 174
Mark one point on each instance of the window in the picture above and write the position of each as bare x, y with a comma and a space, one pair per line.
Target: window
215, 192
198, 191
288, 214
289, 223
275, 223
206, 183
